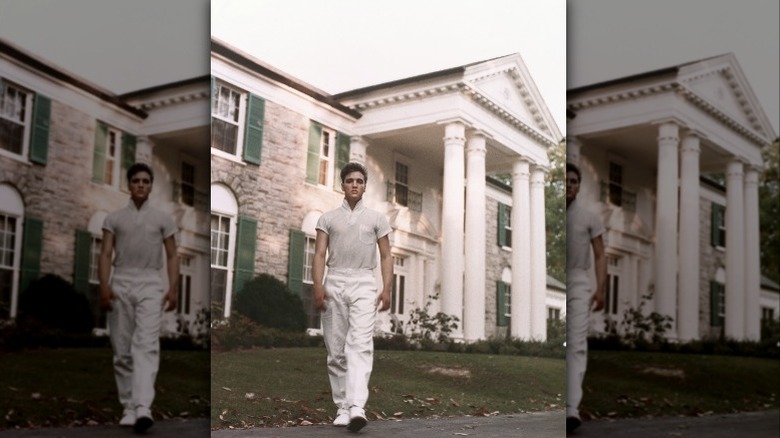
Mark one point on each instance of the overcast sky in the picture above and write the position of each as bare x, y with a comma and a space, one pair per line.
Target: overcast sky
120, 45
609, 39
339, 45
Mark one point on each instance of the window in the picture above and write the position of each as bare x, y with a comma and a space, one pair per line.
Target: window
399, 285
611, 297
718, 225
220, 256
615, 184
767, 314
185, 285
15, 118
328, 152
717, 304
95, 244
504, 304
9, 266
401, 184
113, 153
504, 225
553, 313
187, 184
312, 314
226, 112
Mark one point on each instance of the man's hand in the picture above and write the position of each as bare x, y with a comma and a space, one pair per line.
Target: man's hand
170, 301
320, 296
597, 301
106, 297
383, 300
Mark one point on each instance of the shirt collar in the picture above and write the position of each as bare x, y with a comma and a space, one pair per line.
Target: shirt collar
144, 206
358, 207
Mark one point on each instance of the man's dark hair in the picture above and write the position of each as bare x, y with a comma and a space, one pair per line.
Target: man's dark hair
354, 167
572, 168
139, 167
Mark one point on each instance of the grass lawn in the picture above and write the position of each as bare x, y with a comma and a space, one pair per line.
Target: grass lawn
640, 384
71, 387
272, 387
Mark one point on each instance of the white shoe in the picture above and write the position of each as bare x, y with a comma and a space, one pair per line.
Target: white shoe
128, 418
143, 419
357, 419
342, 418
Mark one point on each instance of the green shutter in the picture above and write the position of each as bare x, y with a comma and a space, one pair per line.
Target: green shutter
715, 304
245, 252
99, 153
253, 142
39, 141
501, 303
502, 211
342, 158
128, 153
295, 263
313, 157
81, 261
32, 243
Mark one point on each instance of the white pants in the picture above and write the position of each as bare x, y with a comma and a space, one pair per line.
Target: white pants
134, 329
348, 329
578, 294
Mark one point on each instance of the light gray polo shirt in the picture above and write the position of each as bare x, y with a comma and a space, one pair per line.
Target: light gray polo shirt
582, 226
138, 235
352, 235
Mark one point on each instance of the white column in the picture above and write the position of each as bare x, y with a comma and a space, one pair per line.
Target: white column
538, 256
452, 223
735, 251
666, 224
144, 150
752, 257
688, 295
357, 149
474, 284
520, 322
573, 147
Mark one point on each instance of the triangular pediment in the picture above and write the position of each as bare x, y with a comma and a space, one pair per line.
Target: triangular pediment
507, 84
721, 83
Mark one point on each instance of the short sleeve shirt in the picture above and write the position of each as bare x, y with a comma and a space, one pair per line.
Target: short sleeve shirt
138, 235
582, 226
352, 235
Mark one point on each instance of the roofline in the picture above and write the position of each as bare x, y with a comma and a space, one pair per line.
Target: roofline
624, 79
156, 88
245, 60
60, 74
422, 77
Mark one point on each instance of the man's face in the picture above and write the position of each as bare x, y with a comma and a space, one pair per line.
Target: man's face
572, 186
354, 186
140, 186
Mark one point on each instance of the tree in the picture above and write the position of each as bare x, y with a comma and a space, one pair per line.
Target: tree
555, 212
769, 211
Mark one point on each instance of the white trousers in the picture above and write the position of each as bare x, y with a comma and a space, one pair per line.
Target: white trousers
578, 293
134, 329
348, 330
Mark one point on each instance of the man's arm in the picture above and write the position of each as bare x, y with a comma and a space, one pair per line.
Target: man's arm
386, 260
601, 272
104, 270
318, 270
173, 273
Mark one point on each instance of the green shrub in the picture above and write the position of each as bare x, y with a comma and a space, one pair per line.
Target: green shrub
53, 303
268, 302
241, 332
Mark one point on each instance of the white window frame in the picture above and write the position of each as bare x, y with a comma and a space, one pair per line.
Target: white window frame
230, 262
611, 302
186, 274
326, 158
400, 270
15, 265
308, 258
187, 162
26, 122
242, 102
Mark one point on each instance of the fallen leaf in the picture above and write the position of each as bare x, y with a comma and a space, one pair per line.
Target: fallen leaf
184, 414
226, 388
36, 395
398, 414
305, 423
454, 403
250, 395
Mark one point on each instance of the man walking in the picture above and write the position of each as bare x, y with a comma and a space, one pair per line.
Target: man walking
135, 296
583, 231
348, 299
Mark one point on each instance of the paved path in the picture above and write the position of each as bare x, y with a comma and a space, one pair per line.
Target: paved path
543, 424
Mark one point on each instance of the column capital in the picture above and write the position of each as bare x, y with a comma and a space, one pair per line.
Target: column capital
521, 168
668, 132
735, 167
357, 149
144, 149
690, 142
751, 176
476, 144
